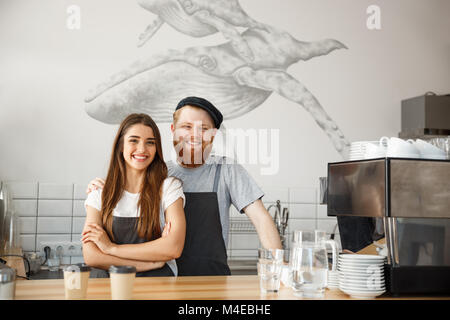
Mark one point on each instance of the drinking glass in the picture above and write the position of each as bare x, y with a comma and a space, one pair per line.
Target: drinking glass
53, 264
54, 261
270, 263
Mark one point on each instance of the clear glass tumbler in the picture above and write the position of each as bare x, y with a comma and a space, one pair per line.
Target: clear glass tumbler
270, 262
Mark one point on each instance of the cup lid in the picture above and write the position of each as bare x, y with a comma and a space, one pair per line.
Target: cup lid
79, 267
122, 269
7, 274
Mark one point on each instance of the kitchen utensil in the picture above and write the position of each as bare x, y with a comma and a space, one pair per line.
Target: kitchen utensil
276, 216
7, 282
284, 220
35, 262
323, 184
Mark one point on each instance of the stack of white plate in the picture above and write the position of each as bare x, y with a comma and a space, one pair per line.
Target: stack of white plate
361, 276
358, 149
333, 279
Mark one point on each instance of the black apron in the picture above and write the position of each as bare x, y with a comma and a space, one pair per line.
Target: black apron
204, 250
125, 232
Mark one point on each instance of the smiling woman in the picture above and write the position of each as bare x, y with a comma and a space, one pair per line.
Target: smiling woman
139, 148
138, 217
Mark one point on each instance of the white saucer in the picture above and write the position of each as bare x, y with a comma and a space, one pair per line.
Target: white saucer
363, 295
368, 287
364, 277
363, 270
361, 263
362, 282
360, 256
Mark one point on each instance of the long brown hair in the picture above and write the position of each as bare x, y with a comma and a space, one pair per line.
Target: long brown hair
148, 224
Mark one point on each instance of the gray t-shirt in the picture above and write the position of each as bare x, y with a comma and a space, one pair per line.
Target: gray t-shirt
235, 187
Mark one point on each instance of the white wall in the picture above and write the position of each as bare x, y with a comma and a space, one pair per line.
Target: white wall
46, 70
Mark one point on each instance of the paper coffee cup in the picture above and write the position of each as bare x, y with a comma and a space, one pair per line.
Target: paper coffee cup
76, 279
122, 280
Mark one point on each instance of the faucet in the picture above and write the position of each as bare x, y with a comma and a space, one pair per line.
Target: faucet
281, 219
277, 207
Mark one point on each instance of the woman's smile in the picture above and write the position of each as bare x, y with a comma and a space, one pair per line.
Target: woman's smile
140, 157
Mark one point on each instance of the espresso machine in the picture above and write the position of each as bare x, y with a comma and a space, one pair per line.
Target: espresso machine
410, 199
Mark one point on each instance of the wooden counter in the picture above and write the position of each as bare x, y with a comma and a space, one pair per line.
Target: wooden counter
181, 288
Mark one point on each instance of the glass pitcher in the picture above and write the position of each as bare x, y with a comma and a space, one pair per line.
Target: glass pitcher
5, 212
9, 223
308, 262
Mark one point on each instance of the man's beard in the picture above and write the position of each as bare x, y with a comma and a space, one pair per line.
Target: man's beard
190, 156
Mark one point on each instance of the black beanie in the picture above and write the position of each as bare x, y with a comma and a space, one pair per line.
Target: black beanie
205, 105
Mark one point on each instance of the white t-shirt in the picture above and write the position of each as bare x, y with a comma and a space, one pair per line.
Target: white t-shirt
127, 206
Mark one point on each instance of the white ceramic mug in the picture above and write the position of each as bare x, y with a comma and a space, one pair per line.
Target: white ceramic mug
402, 149
429, 151
376, 150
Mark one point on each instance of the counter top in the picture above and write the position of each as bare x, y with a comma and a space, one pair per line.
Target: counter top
179, 288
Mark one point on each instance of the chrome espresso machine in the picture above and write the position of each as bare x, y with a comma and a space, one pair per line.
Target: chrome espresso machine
411, 200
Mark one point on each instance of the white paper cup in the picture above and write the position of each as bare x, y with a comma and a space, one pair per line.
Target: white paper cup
76, 278
122, 280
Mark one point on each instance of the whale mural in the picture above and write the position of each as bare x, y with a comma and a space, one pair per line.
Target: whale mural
237, 75
200, 18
